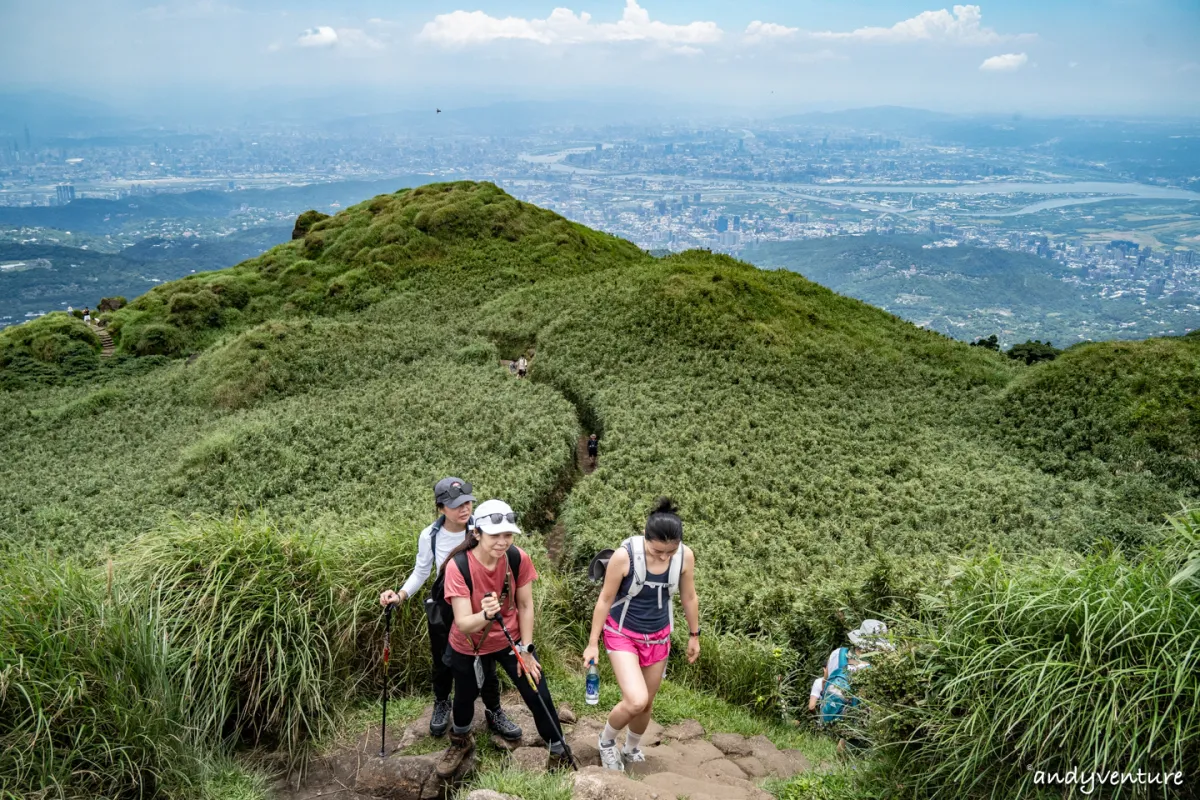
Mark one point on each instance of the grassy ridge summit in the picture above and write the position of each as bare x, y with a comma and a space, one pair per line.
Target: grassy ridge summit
1132, 405
830, 459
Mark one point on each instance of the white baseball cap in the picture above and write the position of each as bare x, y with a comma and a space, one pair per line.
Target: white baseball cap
495, 517
871, 633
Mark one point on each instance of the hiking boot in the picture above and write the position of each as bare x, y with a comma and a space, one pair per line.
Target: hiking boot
634, 756
499, 723
440, 720
558, 760
461, 746
610, 757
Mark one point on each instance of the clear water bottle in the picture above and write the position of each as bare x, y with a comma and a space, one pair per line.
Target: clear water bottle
593, 684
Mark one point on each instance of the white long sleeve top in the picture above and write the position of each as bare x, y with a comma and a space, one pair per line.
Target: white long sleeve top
427, 560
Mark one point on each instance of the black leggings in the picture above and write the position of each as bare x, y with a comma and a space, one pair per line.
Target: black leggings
443, 677
465, 691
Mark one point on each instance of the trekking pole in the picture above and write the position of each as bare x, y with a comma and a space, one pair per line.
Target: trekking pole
552, 716
387, 656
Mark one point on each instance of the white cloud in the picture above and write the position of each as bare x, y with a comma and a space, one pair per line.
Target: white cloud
324, 36
563, 26
1009, 62
357, 39
962, 26
757, 31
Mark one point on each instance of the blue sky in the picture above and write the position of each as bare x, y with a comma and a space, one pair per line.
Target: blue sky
1085, 56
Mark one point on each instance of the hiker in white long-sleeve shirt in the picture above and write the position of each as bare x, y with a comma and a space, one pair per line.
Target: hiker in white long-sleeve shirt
454, 505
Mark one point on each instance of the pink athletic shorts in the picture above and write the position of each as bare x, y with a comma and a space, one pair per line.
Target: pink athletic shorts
640, 643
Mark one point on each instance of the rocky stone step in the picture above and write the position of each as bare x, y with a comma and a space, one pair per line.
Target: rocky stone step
106, 341
680, 762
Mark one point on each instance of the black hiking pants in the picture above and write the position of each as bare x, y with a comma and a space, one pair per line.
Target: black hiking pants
465, 691
443, 677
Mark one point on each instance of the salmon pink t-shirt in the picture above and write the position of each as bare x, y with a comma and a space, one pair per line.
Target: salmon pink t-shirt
484, 582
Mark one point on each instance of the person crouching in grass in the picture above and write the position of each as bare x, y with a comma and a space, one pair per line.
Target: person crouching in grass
489, 583
638, 575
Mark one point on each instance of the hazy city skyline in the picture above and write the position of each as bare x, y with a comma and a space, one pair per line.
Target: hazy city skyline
762, 56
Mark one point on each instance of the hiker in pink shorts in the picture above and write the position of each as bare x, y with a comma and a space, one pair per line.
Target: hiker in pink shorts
635, 615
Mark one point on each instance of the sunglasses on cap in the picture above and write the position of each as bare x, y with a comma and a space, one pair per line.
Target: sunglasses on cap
497, 518
454, 492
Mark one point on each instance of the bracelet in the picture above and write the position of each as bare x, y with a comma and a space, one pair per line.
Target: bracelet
694, 634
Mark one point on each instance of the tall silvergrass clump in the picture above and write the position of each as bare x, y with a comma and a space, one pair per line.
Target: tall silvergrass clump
265, 621
280, 629
87, 708
1042, 668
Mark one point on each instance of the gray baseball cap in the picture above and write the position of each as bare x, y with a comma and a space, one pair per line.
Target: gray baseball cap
452, 492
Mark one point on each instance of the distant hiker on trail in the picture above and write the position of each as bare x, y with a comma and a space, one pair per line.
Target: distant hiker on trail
522, 367
87, 315
489, 583
868, 637
832, 691
593, 446
638, 640
434, 545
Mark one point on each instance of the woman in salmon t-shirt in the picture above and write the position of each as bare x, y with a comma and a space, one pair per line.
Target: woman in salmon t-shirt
501, 589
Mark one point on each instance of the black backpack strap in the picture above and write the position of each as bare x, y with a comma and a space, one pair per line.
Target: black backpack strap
464, 568
514, 564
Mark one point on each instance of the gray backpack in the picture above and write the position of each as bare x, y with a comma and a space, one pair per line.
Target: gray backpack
636, 545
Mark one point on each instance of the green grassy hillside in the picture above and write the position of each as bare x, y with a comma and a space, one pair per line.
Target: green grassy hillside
830, 459
1135, 406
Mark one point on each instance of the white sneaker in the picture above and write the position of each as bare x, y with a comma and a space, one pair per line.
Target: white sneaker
610, 757
634, 756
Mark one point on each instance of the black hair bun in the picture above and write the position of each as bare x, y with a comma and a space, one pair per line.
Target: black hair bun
665, 505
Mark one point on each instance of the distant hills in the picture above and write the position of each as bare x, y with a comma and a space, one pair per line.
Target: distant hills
970, 292
74, 276
104, 216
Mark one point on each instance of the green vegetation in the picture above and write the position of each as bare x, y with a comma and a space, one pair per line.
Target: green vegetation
87, 707
1031, 352
1046, 666
47, 349
830, 459
1132, 408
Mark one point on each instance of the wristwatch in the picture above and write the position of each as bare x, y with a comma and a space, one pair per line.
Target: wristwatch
694, 634
522, 648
